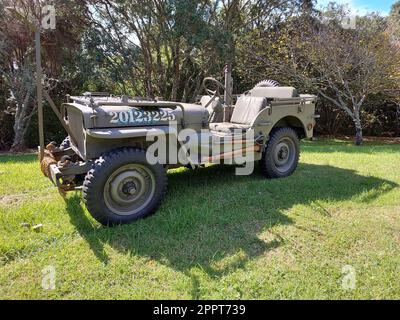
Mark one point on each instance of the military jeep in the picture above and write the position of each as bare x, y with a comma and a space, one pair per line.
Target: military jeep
106, 153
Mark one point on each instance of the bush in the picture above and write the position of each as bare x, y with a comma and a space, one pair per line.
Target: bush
53, 130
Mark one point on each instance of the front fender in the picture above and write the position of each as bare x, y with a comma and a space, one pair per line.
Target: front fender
121, 133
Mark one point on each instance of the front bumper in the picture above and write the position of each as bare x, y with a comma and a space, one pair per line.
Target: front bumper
63, 174
55, 175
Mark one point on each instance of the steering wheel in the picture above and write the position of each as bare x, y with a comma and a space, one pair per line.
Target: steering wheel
215, 93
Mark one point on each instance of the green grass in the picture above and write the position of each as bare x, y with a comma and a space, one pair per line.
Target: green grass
216, 235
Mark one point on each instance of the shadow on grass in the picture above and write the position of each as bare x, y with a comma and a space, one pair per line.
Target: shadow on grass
213, 219
86, 228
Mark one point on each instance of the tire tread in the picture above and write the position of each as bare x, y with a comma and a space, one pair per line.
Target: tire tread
91, 194
267, 168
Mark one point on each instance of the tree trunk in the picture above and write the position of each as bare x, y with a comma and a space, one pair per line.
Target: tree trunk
19, 130
176, 72
359, 135
22, 118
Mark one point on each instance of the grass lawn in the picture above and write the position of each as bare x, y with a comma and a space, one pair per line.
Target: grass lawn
216, 235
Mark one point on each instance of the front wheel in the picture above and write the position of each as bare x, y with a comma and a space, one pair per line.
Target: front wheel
122, 187
281, 155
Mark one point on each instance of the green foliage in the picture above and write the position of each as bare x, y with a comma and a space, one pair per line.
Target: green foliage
315, 53
394, 21
17, 56
165, 48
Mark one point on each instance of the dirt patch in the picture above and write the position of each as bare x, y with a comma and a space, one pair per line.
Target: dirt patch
11, 199
397, 238
18, 199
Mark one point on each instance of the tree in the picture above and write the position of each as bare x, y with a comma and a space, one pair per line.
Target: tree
157, 48
343, 66
17, 26
166, 47
394, 22
17, 69
351, 65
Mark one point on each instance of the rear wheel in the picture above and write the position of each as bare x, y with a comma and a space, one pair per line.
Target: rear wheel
122, 187
281, 155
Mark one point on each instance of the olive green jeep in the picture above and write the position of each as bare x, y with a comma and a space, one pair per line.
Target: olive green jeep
119, 148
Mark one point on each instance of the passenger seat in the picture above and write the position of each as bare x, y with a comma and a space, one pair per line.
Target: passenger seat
246, 110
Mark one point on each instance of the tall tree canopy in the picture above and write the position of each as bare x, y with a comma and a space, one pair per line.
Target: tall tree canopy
313, 51
164, 48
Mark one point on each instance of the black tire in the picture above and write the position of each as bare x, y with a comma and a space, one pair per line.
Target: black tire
65, 144
122, 187
281, 155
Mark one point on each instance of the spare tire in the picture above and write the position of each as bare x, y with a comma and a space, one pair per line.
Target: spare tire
267, 83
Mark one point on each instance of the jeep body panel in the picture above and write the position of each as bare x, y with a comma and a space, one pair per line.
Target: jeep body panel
115, 124
296, 112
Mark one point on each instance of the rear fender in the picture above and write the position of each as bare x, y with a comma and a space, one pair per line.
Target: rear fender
298, 116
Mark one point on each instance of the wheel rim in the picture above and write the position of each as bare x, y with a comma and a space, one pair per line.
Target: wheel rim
129, 189
284, 154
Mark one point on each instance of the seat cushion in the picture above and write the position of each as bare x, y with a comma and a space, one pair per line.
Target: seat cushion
274, 92
246, 109
228, 127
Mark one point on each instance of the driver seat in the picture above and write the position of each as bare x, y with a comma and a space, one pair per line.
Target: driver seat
245, 111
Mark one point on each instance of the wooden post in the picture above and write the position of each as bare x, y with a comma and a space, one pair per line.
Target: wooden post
39, 87
228, 84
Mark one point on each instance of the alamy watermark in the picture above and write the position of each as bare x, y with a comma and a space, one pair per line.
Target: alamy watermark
349, 279
348, 22
49, 278
48, 17
188, 147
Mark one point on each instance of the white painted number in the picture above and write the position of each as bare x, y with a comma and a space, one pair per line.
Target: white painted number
138, 116
123, 117
114, 118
